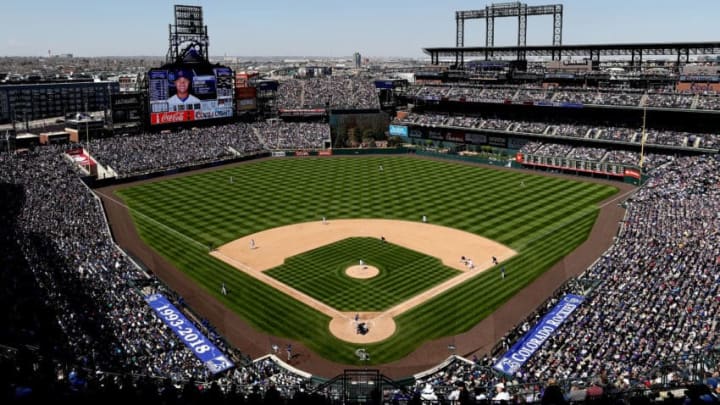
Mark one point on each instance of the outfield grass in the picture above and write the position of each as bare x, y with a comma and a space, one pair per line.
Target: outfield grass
320, 273
543, 221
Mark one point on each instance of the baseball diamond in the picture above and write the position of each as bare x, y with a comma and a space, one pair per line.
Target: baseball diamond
312, 273
183, 218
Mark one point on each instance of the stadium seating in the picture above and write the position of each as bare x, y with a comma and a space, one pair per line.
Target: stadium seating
610, 133
655, 296
148, 153
337, 92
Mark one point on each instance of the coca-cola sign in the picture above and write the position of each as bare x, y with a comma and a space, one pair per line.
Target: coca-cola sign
172, 117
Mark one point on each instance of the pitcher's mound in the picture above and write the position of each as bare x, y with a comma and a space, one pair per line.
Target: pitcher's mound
363, 272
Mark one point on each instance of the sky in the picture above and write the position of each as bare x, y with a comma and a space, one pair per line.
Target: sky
335, 28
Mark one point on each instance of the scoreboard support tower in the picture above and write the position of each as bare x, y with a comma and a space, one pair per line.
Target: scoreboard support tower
514, 9
188, 34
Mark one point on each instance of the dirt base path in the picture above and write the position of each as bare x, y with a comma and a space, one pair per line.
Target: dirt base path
267, 249
253, 254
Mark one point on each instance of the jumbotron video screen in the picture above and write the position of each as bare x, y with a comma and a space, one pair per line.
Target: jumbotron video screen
187, 93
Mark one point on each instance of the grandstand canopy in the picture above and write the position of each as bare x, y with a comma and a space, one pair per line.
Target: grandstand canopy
682, 50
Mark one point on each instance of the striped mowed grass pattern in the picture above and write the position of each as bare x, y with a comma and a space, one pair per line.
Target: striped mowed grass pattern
543, 221
320, 273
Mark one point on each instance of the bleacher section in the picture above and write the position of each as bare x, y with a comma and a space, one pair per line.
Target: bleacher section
609, 133
532, 94
335, 92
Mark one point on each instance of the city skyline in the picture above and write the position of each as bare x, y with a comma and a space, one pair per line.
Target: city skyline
324, 28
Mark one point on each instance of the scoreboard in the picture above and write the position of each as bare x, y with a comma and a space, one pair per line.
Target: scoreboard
210, 93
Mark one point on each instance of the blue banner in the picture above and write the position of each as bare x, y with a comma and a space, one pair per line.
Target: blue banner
398, 130
384, 84
547, 103
524, 348
571, 105
204, 350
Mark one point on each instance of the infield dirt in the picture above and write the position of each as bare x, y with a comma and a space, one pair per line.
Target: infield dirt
258, 252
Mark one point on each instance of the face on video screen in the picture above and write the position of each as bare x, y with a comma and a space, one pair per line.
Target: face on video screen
182, 86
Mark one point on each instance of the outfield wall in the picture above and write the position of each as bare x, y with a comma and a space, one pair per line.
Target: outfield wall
97, 183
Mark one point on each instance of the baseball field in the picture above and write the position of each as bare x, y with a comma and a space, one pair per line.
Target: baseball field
533, 220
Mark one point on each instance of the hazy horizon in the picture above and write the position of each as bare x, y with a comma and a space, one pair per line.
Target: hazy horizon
331, 29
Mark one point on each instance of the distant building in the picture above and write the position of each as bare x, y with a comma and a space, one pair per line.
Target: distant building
128, 82
357, 58
24, 102
314, 71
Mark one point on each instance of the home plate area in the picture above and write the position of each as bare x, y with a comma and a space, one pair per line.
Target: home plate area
362, 327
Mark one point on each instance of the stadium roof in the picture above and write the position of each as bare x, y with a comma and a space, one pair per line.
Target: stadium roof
589, 50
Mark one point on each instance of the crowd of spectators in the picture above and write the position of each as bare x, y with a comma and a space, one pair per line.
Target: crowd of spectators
77, 301
463, 381
675, 138
429, 119
463, 121
437, 92
497, 124
530, 93
130, 155
577, 96
670, 99
534, 94
574, 130
445, 382
656, 294
530, 127
499, 94
338, 92
547, 149
279, 135
618, 134
519, 94
632, 158
620, 97
610, 133
146, 153
708, 102
468, 94
587, 153
601, 155
61, 236
291, 95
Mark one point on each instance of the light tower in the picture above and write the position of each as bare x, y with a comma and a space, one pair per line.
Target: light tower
188, 37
